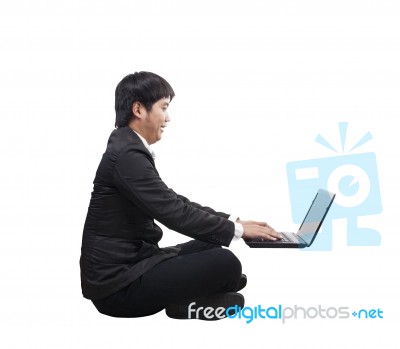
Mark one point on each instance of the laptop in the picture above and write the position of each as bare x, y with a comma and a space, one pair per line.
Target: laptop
308, 229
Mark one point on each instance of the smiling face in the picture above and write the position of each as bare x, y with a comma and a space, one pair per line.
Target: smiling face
150, 124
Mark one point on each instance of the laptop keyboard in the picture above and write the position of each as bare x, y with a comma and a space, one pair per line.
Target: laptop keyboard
285, 238
288, 238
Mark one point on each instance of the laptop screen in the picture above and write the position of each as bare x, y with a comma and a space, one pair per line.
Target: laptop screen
315, 215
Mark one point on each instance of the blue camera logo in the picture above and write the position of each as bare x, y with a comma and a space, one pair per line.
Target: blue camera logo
354, 179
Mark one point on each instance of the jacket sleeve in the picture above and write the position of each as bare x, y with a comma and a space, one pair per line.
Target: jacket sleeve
203, 208
137, 179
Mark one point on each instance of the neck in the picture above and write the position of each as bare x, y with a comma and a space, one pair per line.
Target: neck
138, 131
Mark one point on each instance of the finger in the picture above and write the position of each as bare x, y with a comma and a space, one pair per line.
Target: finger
269, 237
274, 234
268, 234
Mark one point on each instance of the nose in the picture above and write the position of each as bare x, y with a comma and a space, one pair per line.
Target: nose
167, 118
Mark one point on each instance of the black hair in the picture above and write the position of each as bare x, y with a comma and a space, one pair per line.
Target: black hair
144, 87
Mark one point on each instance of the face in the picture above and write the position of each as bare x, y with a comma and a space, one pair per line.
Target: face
153, 122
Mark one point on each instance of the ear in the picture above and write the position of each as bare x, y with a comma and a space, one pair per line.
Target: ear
137, 109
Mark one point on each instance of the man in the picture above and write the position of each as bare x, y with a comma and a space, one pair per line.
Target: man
123, 270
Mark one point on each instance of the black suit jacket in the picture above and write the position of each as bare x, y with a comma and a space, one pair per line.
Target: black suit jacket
120, 237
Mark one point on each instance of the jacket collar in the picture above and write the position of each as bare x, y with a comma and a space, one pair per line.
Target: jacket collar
139, 140
147, 146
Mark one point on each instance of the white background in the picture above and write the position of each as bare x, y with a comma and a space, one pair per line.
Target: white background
255, 82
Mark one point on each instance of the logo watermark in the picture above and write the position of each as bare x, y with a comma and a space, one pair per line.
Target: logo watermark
354, 179
282, 313
206, 312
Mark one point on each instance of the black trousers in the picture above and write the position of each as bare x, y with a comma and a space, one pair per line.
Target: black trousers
199, 270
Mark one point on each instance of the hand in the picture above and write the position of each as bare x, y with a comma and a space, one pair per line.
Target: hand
264, 224
257, 230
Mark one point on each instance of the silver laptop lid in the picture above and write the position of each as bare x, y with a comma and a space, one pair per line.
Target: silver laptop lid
315, 215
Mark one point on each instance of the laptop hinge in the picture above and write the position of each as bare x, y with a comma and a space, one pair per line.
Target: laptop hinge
300, 238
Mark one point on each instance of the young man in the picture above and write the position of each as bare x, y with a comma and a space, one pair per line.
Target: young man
123, 270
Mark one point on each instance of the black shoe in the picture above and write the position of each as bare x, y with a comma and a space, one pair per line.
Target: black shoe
207, 308
242, 282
